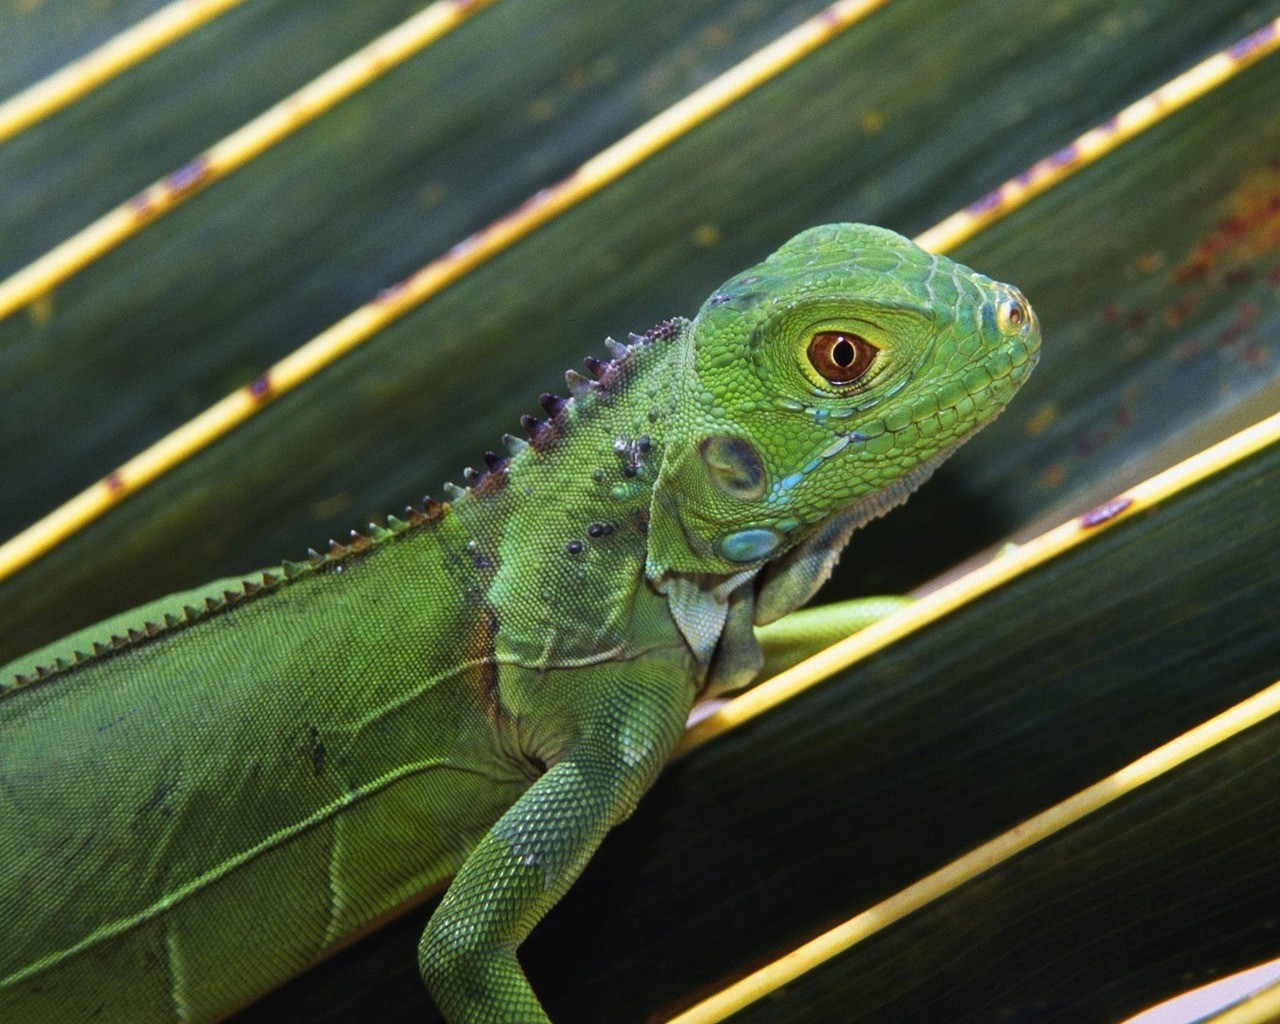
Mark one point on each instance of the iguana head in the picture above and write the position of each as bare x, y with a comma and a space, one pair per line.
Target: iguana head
822, 385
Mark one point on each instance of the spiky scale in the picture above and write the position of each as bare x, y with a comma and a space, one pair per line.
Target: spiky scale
454, 492
578, 384
637, 339
553, 404
515, 445
532, 426
252, 589
270, 579
616, 349
472, 476
291, 569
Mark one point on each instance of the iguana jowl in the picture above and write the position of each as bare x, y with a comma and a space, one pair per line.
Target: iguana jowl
250, 774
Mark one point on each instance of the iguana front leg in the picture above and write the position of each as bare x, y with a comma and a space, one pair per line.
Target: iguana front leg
538, 848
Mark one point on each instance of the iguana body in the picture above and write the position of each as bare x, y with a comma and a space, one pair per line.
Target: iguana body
203, 808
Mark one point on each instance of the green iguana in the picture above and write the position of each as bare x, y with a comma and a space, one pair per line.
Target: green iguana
205, 796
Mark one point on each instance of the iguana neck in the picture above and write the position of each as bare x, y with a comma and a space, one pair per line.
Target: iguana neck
563, 541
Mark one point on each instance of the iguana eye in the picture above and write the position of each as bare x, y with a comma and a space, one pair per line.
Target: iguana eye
841, 357
1011, 315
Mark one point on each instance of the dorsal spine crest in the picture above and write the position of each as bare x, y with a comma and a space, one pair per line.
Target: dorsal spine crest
542, 434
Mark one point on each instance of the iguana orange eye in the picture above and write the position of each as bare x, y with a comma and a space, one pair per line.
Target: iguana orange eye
841, 357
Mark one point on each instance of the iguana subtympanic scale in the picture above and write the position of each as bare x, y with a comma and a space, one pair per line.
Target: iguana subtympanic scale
204, 796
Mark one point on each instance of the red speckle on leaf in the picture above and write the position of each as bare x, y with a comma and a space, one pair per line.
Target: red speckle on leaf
1254, 355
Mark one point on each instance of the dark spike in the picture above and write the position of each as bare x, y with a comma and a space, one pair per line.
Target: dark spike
21, 679
598, 367
336, 550
252, 589
532, 426
42, 672
171, 620
270, 579
414, 516
192, 612
553, 404
495, 462
152, 628
210, 605
664, 331
61, 664
99, 648
431, 508
136, 634
118, 641
359, 542
78, 657
231, 597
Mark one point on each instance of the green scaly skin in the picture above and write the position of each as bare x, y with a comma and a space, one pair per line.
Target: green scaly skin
202, 808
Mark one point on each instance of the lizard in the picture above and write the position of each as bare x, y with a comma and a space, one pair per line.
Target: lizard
205, 796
